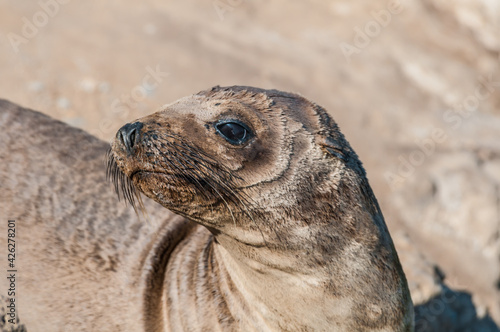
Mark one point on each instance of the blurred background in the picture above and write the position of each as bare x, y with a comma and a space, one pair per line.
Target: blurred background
414, 86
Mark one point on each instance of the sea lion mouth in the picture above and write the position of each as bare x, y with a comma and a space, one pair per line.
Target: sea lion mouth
179, 182
128, 187
172, 178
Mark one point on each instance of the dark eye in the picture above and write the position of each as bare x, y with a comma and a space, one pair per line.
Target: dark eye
235, 133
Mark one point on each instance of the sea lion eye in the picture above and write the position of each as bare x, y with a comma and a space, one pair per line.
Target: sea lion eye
235, 133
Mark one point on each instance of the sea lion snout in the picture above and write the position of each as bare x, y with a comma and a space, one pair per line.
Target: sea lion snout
129, 135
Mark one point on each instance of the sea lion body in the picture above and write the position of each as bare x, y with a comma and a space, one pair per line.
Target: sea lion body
80, 253
288, 235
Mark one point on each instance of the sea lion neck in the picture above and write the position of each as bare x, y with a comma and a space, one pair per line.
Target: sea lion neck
279, 290
312, 235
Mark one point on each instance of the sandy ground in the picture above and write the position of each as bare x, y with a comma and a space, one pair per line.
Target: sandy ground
414, 85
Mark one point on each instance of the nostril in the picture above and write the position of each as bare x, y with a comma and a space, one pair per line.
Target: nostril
132, 137
129, 135
119, 136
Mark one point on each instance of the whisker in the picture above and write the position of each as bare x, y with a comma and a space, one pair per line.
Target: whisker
123, 185
234, 197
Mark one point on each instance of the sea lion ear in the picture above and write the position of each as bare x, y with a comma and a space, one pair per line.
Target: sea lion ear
332, 147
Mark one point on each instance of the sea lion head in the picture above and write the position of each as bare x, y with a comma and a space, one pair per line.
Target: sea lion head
245, 158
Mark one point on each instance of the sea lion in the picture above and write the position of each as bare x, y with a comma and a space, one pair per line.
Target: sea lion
297, 240
287, 234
